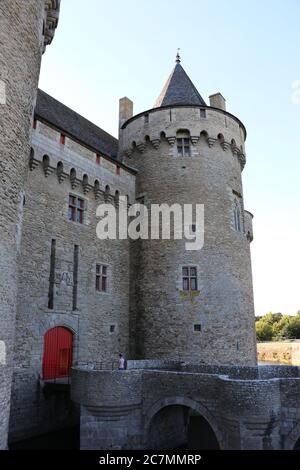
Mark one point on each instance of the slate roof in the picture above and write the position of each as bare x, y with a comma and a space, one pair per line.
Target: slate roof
179, 89
74, 125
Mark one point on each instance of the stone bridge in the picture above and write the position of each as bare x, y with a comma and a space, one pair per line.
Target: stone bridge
153, 404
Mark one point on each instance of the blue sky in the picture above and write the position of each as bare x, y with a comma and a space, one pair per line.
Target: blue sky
247, 50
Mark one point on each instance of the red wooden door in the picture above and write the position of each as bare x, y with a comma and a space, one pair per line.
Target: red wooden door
57, 359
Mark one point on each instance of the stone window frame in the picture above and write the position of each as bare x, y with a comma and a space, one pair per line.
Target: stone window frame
183, 147
237, 216
99, 276
115, 326
77, 209
183, 144
199, 328
238, 223
187, 276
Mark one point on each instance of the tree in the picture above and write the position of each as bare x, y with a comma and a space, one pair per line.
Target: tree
276, 326
263, 330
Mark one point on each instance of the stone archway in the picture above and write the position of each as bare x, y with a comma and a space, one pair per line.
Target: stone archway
297, 445
171, 423
292, 440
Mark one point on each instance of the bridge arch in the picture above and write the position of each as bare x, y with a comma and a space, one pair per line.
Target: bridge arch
184, 403
292, 440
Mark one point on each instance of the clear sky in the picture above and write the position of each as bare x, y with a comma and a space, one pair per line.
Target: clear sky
248, 50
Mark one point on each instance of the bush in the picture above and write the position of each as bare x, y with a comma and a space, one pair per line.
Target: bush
264, 331
275, 326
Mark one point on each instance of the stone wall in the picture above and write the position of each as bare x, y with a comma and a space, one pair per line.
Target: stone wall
137, 408
36, 408
163, 316
5, 387
22, 44
45, 218
284, 352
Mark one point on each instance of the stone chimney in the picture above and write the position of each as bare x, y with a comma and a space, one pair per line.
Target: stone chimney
125, 111
217, 101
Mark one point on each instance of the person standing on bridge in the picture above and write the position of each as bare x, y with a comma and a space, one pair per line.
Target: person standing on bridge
121, 362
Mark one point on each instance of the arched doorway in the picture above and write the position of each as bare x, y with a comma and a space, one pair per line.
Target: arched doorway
57, 358
180, 427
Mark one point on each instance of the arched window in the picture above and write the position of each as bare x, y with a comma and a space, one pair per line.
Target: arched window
183, 143
57, 358
237, 217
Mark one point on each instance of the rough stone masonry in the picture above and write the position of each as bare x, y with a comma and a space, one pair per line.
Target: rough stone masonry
70, 303
25, 29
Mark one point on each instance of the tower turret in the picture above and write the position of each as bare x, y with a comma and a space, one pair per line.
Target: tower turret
26, 29
196, 305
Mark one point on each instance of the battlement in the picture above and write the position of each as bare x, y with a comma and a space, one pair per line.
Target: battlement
83, 167
51, 21
209, 125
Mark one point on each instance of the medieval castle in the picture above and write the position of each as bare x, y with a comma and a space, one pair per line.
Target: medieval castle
69, 302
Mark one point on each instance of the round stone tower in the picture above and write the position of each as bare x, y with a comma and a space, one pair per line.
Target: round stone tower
195, 305
25, 29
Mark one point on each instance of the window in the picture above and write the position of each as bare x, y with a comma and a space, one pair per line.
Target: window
62, 139
118, 170
189, 278
203, 113
237, 217
146, 118
76, 209
75, 276
34, 124
112, 328
197, 327
101, 278
98, 159
183, 147
192, 229
52, 275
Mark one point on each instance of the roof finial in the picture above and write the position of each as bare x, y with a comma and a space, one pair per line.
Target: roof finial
178, 59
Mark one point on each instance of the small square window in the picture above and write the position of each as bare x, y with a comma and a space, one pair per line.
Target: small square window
197, 327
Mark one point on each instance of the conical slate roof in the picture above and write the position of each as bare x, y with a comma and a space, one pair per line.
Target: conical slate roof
179, 89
